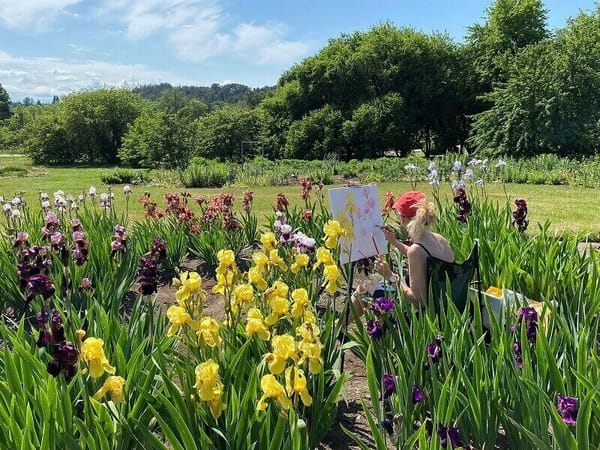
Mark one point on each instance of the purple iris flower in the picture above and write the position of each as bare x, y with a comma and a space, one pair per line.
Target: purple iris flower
449, 433
518, 354
530, 316
434, 350
374, 329
389, 385
383, 305
417, 394
568, 408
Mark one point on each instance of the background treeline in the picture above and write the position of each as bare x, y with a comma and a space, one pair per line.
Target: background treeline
514, 87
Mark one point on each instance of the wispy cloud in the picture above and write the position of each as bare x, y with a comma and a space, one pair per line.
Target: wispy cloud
36, 15
199, 30
44, 77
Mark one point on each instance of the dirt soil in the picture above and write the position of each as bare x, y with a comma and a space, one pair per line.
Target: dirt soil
350, 413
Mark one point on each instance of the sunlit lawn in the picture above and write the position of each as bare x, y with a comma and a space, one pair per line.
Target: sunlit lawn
568, 208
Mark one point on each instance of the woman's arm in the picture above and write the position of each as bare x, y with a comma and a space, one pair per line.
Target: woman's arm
390, 236
417, 270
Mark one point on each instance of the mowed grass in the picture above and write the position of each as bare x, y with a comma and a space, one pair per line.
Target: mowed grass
569, 209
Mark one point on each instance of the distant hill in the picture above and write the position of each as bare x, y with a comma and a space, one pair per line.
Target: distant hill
216, 93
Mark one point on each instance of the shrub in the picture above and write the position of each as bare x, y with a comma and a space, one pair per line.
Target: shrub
206, 173
125, 176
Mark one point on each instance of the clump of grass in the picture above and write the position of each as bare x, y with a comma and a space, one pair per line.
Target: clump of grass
11, 171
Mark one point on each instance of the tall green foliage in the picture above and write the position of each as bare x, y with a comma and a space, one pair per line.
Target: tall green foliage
4, 104
548, 104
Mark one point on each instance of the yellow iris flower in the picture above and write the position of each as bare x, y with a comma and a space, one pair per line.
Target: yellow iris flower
208, 332
224, 281
276, 260
284, 348
261, 261
209, 386
323, 257
92, 353
113, 386
255, 325
333, 230
301, 300
279, 307
179, 317
300, 261
256, 278
269, 242
190, 283
311, 351
272, 389
295, 383
332, 275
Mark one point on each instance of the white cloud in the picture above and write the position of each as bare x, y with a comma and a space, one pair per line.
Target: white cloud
44, 77
199, 30
36, 15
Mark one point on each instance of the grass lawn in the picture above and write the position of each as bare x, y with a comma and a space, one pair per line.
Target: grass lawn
568, 208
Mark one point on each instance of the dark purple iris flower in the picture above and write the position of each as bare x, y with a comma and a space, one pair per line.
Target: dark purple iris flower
568, 408
383, 305
389, 385
374, 329
434, 350
388, 425
417, 394
520, 215
40, 284
449, 433
148, 276
65, 356
530, 316
518, 354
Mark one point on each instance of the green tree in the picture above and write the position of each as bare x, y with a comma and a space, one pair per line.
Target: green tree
220, 133
549, 103
47, 139
4, 104
509, 26
97, 121
172, 100
316, 135
378, 126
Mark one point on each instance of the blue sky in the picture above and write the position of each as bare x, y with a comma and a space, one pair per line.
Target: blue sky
53, 47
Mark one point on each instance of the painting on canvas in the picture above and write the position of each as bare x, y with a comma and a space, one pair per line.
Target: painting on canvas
358, 210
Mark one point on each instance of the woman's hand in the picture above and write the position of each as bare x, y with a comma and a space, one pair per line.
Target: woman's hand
390, 234
383, 268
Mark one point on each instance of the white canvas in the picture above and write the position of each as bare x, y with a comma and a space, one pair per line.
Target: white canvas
358, 210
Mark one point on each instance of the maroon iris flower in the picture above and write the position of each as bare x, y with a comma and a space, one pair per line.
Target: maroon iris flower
148, 276
568, 408
159, 248
40, 284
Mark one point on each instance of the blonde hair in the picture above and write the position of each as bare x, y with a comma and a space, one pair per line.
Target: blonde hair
424, 219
